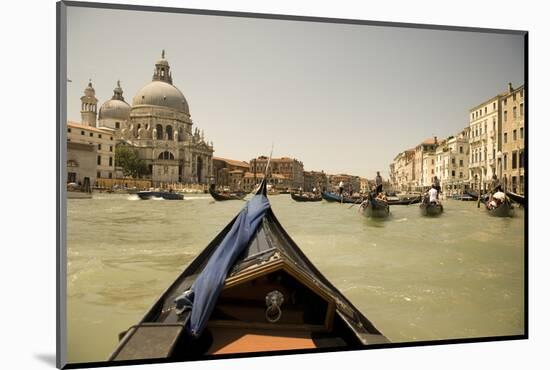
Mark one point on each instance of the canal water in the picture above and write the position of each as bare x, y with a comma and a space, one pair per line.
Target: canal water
457, 276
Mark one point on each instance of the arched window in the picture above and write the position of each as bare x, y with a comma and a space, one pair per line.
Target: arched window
169, 132
180, 134
159, 132
166, 155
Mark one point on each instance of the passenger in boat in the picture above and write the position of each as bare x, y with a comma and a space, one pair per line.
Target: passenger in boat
433, 195
378, 182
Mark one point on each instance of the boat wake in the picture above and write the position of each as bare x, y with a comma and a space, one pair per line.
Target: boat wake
402, 219
132, 197
157, 198
196, 198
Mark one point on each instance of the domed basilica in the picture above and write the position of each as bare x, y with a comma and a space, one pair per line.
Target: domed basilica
158, 124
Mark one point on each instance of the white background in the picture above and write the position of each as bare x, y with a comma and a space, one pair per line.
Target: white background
27, 182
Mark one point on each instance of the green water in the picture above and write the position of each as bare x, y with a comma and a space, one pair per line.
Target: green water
457, 276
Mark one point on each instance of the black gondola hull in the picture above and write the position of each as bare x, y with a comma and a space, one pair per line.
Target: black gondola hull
431, 210
304, 198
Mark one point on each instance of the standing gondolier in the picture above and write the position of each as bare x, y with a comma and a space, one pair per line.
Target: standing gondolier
495, 184
378, 182
341, 188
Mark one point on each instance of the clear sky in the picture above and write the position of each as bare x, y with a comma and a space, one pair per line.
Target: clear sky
340, 98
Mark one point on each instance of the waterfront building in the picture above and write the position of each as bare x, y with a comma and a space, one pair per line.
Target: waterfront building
364, 185
103, 141
452, 158
484, 142
158, 125
511, 161
229, 173
403, 170
290, 168
315, 179
81, 163
424, 163
496, 141
348, 180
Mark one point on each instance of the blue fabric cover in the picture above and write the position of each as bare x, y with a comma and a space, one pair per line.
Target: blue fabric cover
203, 295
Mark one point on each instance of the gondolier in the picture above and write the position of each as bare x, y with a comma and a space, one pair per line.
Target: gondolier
437, 184
495, 184
341, 188
378, 182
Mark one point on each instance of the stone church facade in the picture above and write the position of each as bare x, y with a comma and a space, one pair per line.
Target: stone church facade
158, 124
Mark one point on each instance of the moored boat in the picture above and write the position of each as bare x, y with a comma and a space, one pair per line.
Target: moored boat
306, 197
404, 201
332, 197
431, 209
145, 195
251, 289
376, 208
226, 196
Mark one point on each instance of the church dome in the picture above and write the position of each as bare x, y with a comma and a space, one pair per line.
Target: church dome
114, 109
162, 94
160, 91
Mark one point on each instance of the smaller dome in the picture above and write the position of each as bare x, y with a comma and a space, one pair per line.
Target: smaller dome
114, 109
89, 90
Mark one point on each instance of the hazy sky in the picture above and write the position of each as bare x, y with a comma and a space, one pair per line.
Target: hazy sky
340, 98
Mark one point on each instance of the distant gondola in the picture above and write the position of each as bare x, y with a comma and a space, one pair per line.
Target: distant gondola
404, 201
332, 197
251, 289
504, 209
376, 208
431, 209
146, 195
305, 197
225, 196
520, 199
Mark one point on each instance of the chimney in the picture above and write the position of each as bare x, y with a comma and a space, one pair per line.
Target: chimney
435, 139
510, 88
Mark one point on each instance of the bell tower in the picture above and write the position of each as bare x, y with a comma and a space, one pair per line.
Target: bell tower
88, 110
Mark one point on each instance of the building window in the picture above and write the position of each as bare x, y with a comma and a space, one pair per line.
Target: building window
485, 110
453, 173
169, 132
110, 148
159, 132
91, 134
521, 109
460, 175
514, 96
514, 160
110, 175
82, 133
505, 101
98, 174
460, 150
505, 161
514, 112
98, 160
505, 116
117, 124
514, 135
110, 161
453, 161
461, 163
111, 138
98, 146
505, 137
69, 129
521, 132
99, 136
494, 105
